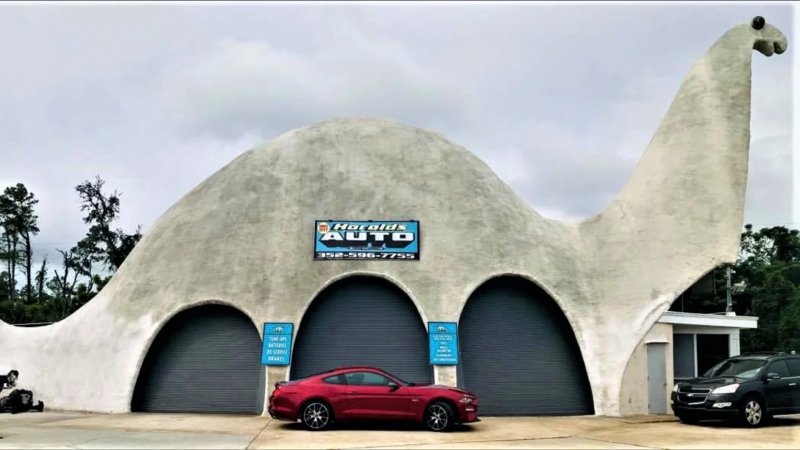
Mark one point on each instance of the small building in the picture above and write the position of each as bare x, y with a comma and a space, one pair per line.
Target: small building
680, 346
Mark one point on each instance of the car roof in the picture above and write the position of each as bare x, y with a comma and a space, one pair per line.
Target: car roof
351, 368
766, 356
347, 369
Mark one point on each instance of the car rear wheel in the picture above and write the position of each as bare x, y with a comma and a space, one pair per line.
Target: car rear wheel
316, 416
439, 416
752, 412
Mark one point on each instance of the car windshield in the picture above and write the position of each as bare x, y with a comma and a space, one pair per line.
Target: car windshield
739, 368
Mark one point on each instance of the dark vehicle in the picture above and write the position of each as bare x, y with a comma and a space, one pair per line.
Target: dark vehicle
9, 379
359, 393
750, 388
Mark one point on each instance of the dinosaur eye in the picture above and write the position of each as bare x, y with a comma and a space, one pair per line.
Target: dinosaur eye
758, 22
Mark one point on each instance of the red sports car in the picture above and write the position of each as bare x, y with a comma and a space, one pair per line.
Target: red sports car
356, 393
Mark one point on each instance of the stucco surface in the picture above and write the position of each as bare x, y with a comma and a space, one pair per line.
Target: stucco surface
243, 237
634, 397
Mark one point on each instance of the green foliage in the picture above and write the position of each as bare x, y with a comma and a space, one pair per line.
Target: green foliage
19, 224
769, 266
52, 298
102, 243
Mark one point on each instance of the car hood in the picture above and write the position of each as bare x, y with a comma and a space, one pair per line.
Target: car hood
702, 382
449, 388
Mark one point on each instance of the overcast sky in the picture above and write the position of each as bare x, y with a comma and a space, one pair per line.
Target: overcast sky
560, 101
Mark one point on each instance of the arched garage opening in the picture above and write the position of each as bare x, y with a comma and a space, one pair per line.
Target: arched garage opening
362, 321
519, 354
205, 360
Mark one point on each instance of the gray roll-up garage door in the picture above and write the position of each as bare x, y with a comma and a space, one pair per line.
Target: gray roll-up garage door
362, 321
519, 354
206, 360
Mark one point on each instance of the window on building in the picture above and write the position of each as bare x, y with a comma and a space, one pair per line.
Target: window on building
683, 356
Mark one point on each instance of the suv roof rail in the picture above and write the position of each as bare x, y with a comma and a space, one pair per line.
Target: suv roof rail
761, 354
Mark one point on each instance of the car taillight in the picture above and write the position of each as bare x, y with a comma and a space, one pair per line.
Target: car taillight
466, 400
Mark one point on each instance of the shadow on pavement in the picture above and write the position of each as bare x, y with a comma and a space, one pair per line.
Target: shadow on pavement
378, 426
773, 423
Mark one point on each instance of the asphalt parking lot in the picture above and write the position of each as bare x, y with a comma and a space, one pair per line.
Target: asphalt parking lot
88, 431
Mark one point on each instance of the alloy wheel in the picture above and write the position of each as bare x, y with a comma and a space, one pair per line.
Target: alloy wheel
752, 412
437, 418
316, 416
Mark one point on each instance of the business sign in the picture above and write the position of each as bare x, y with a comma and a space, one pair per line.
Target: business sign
443, 343
384, 240
277, 347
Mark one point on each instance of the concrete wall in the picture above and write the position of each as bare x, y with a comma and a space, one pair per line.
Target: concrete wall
634, 394
243, 238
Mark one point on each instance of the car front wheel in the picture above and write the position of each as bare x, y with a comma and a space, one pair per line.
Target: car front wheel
316, 416
439, 416
752, 412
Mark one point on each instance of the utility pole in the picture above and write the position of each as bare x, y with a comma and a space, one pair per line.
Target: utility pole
728, 301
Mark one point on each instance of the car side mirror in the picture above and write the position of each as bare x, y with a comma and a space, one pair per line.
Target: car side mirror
392, 385
771, 376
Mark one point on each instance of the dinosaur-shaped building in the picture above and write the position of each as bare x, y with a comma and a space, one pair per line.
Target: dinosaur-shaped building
554, 309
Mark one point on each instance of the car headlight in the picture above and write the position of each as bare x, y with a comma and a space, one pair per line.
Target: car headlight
675, 388
729, 389
466, 400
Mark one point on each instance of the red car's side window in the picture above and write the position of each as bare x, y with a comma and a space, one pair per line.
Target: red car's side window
366, 379
336, 379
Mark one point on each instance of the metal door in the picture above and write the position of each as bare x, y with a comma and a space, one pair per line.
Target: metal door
519, 354
206, 359
363, 321
656, 378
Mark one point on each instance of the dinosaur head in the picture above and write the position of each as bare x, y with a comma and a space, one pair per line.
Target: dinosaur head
768, 39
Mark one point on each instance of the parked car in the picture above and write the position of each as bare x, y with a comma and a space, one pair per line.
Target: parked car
358, 393
750, 388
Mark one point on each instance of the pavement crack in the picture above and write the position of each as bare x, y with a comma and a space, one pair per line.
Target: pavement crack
618, 443
263, 429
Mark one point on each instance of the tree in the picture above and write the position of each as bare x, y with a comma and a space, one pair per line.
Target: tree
41, 274
19, 224
102, 243
769, 264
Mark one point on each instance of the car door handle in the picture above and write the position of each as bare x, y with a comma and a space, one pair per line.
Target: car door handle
792, 384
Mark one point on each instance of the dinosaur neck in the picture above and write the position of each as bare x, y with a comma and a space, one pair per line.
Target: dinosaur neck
694, 172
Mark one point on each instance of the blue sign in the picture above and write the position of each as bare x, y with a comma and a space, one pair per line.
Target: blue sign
370, 240
443, 343
277, 348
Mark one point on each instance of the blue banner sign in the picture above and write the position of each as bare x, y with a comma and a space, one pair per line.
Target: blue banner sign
370, 240
277, 348
443, 343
